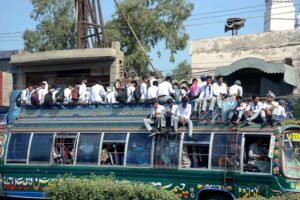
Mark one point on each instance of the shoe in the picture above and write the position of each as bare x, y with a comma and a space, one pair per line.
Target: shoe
153, 132
264, 124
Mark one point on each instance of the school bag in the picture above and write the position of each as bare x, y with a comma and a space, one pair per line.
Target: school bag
75, 93
49, 99
122, 95
19, 99
34, 98
137, 94
60, 97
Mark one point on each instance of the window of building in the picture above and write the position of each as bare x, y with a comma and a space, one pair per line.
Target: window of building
64, 148
139, 149
113, 149
166, 151
88, 148
226, 151
195, 151
38, 154
256, 153
18, 148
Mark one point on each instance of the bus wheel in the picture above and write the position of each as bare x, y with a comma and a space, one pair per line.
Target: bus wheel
216, 197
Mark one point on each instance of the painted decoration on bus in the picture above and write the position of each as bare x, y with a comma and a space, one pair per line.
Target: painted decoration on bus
3, 139
294, 136
25, 183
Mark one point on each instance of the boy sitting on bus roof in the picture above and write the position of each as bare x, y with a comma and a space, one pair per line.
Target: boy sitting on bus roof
157, 117
237, 112
184, 112
269, 108
253, 109
171, 112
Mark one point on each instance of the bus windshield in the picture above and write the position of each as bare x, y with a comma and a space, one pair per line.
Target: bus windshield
291, 152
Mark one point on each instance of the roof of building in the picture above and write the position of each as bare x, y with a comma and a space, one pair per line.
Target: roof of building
7, 54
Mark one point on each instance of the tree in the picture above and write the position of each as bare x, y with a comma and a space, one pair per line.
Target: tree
153, 21
182, 71
56, 28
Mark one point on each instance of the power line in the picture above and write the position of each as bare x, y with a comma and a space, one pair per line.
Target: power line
10, 33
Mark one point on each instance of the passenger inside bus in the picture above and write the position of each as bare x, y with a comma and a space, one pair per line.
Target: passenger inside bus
112, 154
258, 155
194, 156
64, 150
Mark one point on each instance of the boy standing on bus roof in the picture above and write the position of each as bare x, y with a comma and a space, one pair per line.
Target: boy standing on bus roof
184, 112
157, 117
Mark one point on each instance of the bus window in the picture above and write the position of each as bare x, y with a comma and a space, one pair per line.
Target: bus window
113, 149
195, 151
226, 151
64, 148
38, 154
17, 148
88, 148
257, 149
139, 149
166, 151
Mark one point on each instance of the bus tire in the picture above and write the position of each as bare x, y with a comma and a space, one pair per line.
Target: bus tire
214, 195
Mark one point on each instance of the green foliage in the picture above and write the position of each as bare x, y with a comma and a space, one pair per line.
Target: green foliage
152, 21
95, 187
288, 196
182, 71
56, 26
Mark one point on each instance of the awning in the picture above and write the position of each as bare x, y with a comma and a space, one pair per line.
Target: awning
290, 73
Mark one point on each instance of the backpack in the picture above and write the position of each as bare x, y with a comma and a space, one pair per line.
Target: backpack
49, 99
35, 101
60, 97
122, 95
19, 99
75, 93
137, 94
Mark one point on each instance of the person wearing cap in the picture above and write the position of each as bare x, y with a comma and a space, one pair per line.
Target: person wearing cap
184, 112
157, 117
281, 112
217, 88
269, 108
237, 89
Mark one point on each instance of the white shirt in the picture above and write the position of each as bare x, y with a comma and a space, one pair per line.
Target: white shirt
143, 89
151, 80
130, 90
42, 92
160, 109
255, 152
218, 89
184, 112
236, 90
280, 111
241, 107
82, 92
152, 92
165, 89
111, 96
54, 94
46, 85
267, 105
206, 92
67, 94
25, 96
98, 93
173, 110
201, 86
254, 108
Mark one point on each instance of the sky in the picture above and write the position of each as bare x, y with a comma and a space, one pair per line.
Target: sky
207, 21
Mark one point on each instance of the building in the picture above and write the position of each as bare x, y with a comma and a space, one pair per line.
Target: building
64, 67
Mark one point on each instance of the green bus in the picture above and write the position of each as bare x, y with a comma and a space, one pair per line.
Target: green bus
43, 144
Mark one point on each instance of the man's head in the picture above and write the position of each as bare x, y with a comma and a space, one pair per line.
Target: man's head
134, 83
238, 82
208, 80
270, 96
145, 78
219, 79
283, 103
84, 80
259, 140
194, 81
169, 79
170, 102
29, 86
70, 86
239, 99
42, 85
203, 77
184, 100
255, 98
155, 83
155, 103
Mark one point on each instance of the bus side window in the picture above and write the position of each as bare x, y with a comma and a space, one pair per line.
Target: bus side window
139, 149
226, 151
64, 148
166, 151
17, 148
113, 149
88, 148
195, 151
257, 149
38, 154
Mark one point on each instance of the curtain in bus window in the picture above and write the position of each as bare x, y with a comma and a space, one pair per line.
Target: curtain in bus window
40, 148
139, 149
88, 149
17, 149
226, 151
166, 151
